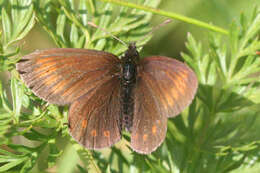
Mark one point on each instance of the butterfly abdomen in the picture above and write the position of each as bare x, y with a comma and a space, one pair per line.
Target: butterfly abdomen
127, 102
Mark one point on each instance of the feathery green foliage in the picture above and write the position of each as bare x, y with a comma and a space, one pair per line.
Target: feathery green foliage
219, 132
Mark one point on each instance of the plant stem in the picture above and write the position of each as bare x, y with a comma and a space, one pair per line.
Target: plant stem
170, 15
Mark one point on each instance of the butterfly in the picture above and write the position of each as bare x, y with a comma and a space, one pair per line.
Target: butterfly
107, 94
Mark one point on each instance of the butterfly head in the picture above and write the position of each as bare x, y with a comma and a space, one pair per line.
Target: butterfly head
131, 55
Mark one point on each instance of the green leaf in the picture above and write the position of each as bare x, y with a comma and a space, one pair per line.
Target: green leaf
6, 27
20, 23
12, 164
17, 95
33, 135
54, 153
4, 100
12, 160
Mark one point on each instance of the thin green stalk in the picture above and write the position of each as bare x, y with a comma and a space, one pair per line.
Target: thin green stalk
170, 15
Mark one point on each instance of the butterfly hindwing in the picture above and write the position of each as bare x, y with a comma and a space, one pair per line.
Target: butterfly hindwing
149, 125
94, 117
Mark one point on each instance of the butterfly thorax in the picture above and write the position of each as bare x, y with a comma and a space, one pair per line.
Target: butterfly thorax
128, 80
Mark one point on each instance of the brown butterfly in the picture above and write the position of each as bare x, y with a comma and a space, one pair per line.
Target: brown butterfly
107, 94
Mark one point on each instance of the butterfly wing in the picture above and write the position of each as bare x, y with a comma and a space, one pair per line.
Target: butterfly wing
149, 125
62, 75
94, 118
164, 88
172, 82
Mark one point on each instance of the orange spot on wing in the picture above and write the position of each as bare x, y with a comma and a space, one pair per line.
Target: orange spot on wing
106, 133
154, 130
145, 137
93, 133
84, 124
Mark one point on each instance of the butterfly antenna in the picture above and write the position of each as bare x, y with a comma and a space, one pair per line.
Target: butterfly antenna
116, 38
159, 26
155, 28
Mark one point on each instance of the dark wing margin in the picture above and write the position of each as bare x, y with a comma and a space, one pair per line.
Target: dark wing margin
172, 82
62, 75
94, 117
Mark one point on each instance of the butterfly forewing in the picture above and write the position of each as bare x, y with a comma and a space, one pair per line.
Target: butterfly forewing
94, 117
172, 83
61, 76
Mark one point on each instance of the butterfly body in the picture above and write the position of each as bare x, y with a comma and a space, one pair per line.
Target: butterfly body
107, 94
128, 82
